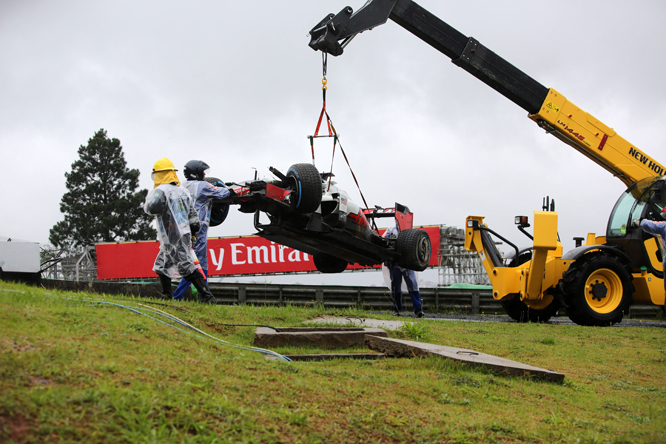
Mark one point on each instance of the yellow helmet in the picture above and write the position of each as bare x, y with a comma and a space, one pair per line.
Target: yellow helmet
164, 164
164, 172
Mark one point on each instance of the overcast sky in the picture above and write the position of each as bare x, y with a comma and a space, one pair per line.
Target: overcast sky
236, 85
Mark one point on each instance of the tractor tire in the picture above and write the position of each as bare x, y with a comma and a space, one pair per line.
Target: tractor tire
306, 187
218, 211
414, 249
326, 263
597, 290
519, 311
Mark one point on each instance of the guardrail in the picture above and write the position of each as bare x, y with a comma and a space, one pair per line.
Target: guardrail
442, 299
471, 301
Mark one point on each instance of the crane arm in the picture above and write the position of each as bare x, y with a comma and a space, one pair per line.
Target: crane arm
548, 108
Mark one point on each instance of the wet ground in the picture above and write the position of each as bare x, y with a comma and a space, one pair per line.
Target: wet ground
396, 322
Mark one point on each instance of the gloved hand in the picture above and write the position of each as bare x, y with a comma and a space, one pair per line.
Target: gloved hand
227, 200
195, 226
636, 223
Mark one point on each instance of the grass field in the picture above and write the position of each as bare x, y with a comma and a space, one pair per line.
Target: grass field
78, 367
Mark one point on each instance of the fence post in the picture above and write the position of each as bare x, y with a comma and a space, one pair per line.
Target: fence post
242, 295
475, 303
319, 295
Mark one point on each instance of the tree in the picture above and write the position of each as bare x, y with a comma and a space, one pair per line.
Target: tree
102, 204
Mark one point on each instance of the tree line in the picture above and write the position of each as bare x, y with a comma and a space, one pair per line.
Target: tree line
102, 203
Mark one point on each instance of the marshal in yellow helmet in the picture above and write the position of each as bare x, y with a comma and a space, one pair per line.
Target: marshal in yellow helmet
164, 172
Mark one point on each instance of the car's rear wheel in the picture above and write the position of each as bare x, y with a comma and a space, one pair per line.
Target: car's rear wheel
306, 187
326, 263
413, 247
218, 211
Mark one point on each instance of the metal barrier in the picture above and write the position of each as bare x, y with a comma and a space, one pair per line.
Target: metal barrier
442, 299
460, 300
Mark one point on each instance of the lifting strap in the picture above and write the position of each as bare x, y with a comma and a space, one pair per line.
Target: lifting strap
334, 134
329, 125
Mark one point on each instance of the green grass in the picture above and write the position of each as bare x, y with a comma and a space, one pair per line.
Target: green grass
72, 371
416, 331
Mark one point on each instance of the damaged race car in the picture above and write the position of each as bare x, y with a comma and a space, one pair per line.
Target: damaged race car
307, 211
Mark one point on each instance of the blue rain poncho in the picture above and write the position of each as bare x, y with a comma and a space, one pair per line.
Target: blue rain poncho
203, 194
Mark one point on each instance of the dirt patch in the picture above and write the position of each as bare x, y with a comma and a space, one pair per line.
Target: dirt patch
19, 427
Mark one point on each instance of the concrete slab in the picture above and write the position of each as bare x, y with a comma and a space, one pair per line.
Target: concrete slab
328, 357
362, 322
401, 348
330, 337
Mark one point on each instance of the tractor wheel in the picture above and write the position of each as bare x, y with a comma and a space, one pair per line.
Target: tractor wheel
597, 290
306, 187
413, 247
519, 311
326, 263
218, 211
535, 312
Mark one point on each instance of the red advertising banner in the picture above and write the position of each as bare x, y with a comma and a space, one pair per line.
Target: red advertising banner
227, 256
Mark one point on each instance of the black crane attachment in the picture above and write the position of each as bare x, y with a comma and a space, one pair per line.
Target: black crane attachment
332, 34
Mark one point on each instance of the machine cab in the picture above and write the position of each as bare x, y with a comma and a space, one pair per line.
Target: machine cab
643, 200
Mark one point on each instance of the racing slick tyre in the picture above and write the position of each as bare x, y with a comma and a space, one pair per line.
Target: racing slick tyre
413, 248
307, 188
535, 312
597, 290
326, 263
218, 211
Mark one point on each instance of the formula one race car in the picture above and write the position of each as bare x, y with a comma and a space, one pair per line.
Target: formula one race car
307, 211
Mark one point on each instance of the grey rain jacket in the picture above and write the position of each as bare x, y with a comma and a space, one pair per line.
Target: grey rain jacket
174, 213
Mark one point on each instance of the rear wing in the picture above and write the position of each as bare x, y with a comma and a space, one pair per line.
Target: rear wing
403, 217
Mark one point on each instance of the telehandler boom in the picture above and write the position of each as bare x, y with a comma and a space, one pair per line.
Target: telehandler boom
595, 282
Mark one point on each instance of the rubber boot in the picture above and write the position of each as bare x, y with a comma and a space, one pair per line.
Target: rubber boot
205, 296
165, 281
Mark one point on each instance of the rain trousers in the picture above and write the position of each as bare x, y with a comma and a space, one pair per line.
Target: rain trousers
203, 194
397, 275
173, 210
657, 229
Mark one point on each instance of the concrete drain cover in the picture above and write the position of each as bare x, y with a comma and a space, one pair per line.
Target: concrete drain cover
399, 348
329, 337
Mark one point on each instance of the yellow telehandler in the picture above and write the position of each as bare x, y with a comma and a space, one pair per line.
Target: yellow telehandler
600, 278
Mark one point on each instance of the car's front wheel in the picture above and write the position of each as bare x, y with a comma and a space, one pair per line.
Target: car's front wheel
306, 187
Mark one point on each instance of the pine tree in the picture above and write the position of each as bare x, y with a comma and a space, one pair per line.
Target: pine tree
102, 204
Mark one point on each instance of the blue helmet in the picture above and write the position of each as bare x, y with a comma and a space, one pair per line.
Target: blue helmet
195, 170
